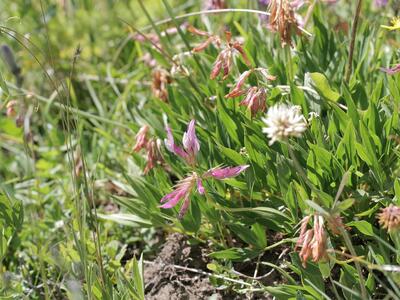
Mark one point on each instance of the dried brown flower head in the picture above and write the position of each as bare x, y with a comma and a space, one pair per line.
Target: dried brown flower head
225, 57
283, 20
154, 155
389, 218
334, 223
312, 241
141, 138
160, 81
318, 243
255, 99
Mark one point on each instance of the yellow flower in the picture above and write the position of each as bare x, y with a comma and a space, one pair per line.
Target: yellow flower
395, 24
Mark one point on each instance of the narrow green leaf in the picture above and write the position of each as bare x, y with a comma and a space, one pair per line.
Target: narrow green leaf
321, 84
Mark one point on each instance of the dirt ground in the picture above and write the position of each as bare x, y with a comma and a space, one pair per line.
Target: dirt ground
177, 273
164, 281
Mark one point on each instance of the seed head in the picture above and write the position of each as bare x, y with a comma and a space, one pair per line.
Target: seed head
159, 84
389, 218
283, 20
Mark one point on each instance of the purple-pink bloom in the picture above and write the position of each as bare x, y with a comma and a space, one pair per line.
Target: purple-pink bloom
380, 3
170, 144
391, 71
185, 187
227, 172
200, 187
263, 2
190, 143
182, 192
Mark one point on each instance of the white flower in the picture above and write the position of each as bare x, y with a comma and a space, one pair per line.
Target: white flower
283, 121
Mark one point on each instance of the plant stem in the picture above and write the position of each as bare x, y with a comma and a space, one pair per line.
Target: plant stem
309, 13
217, 11
67, 108
349, 245
289, 64
222, 230
352, 41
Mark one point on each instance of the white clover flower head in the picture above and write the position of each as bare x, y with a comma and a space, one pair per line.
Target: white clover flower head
283, 121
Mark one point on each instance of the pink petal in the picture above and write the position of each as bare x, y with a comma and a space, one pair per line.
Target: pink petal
200, 187
184, 207
141, 138
391, 71
228, 172
190, 141
237, 90
170, 144
173, 200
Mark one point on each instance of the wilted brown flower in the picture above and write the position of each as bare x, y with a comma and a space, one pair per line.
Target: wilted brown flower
255, 99
141, 138
306, 249
237, 90
303, 229
283, 20
154, 155
210, 39
225, 57
312, 241
11, 112
334, 223
161, 79
318, 243
152, 147
389, 218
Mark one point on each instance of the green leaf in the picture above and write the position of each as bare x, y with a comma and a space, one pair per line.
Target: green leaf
232, 155
138, 278
311, 272
235, 254
363, 226
321, 84
397, 191
126, 219
266, 212
342, 206
245, 234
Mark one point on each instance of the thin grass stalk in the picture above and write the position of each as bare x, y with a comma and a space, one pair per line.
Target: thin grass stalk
66, 121
43, 275
221, 229
153, 25
349, 68
289, 64
349, 245
309, 13
50, 101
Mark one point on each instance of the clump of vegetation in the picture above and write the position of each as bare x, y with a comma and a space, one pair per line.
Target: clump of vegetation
184, 149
